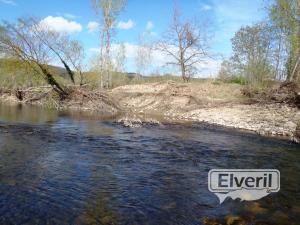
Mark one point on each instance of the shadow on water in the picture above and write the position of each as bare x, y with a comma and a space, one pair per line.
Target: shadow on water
60, 169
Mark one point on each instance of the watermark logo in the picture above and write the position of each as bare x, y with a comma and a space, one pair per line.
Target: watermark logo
243, 184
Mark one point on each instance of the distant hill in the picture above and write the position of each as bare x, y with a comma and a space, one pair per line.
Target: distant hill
14, 74
15, 66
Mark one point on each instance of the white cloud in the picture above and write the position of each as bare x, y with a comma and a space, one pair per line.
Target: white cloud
8, 2
149, 25
93, 26
61, 24
206, 7
126, 25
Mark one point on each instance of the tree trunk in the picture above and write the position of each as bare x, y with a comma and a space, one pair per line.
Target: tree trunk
20, 94
183, 72
56, 87
294, 75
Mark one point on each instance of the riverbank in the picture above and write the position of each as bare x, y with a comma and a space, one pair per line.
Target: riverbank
222, 105
213, 103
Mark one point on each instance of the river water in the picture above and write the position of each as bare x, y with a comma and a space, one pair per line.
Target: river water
66, 168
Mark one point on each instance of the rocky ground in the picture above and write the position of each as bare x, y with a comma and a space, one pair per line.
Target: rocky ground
270, 120
213, 103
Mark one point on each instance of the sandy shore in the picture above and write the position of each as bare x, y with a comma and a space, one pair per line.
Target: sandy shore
222, 106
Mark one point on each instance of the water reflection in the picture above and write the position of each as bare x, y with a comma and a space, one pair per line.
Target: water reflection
27, 114
79, 171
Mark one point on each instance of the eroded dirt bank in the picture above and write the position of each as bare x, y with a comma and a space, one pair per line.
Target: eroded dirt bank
207, 102
220, 104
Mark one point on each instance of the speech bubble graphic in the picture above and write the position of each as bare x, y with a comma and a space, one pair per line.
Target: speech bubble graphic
243, 184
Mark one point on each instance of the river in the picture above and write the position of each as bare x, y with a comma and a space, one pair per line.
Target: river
73, 168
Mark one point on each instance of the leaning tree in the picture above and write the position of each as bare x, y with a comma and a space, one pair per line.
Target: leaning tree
37, 46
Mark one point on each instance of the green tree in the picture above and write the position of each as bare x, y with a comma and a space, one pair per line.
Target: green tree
285, 15
252, 53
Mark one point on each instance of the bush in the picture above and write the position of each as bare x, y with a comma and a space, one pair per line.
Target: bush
286, 92
238, 80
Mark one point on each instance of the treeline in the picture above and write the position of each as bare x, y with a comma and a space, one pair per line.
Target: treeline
36, 46
267, 50
184, 43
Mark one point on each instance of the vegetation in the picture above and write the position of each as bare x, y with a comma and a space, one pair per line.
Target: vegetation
14, 74
108, 11
285, 17
263, 53
267, 51
35, 46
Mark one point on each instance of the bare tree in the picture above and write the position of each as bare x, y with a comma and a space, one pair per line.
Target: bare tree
119, 58
143, 56
19, 42
108, 10
56, 42
73, 53
185, 43
37, 46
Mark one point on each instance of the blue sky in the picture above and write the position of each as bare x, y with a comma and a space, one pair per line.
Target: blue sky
78, 18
